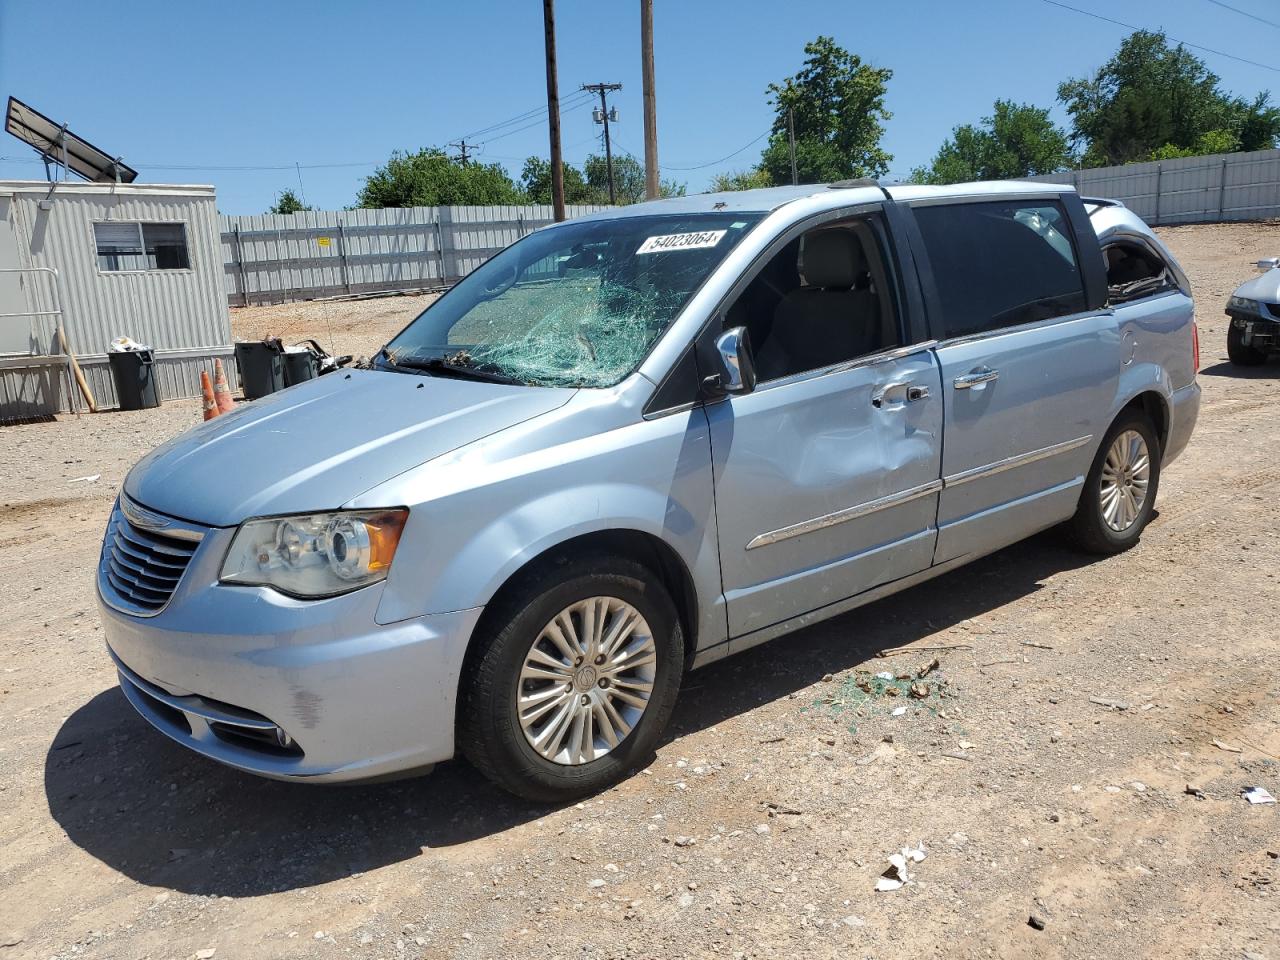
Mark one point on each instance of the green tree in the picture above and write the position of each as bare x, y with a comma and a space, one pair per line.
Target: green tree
741, 180
628, 180
1214, 141
837, 105
287, 202
1152, 97
1017, 140
430, 178
535, 180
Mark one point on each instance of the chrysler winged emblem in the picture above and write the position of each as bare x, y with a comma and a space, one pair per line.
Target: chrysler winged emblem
141, 517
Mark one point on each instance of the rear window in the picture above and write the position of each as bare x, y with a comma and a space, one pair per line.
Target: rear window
1134, 272
999, 264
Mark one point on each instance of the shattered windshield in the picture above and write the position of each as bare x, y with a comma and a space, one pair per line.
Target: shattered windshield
575, 305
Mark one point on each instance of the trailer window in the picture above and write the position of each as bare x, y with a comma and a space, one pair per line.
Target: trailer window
130, 245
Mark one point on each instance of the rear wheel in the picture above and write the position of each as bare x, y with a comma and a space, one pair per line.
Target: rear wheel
575, 680
1120, 491
1240, 353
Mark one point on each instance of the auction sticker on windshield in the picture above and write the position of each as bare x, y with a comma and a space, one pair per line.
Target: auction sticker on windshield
682, 241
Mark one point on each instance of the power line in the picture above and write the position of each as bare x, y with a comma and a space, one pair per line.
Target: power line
540, 121
573, 99
727, 156
1185, 43
1245, 13
576, 101
226, 168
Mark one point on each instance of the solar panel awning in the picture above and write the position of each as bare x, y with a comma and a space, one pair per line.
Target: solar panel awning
59, 145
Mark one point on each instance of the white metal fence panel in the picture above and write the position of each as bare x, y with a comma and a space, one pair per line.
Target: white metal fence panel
274, 258
1223, 186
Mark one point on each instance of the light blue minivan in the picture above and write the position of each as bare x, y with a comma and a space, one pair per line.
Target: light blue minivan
632, 444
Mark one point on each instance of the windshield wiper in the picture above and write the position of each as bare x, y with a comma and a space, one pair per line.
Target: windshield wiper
443, 365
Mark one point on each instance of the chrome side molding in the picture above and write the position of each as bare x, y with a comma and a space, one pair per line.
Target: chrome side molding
845, 515
914, 493
1009, 463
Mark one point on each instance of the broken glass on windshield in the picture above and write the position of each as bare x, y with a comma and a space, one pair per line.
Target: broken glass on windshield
576, 305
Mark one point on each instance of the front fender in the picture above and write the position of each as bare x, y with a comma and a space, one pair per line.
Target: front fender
477, 517
492, 553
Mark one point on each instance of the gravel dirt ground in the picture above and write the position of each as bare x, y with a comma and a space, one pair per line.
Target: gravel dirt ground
766, 818
355, 327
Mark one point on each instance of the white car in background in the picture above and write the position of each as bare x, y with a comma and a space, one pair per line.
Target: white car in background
1254, 310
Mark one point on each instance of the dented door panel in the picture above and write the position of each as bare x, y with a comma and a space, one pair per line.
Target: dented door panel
821, 492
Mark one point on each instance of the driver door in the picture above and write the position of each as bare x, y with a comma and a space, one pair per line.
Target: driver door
827, 476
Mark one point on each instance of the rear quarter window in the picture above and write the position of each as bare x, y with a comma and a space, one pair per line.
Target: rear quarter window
998, 264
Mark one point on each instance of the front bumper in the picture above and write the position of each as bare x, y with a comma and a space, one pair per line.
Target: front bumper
221, 668
1261, 333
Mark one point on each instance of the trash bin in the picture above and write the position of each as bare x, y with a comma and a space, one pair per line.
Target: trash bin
261, 369
133, 372
300, 364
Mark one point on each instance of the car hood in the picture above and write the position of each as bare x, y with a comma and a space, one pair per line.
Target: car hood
317, 445
1265, 287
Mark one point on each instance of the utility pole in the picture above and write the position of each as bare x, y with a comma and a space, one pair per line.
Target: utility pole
553, 110
791, 135
463, 147
650, 102
603, 116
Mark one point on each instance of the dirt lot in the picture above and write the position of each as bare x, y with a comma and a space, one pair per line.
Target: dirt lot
357, 328
762, 825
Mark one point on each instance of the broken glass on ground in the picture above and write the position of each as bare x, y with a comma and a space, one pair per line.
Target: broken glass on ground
898, 873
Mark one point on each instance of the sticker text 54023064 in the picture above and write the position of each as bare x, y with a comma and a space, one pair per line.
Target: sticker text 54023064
682, 241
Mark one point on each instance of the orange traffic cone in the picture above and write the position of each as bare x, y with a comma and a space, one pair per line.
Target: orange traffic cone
221, 392
206, 391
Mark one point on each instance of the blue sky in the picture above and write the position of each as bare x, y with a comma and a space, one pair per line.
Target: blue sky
180, 89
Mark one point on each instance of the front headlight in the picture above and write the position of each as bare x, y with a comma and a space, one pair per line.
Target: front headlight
1244, 303
315, 555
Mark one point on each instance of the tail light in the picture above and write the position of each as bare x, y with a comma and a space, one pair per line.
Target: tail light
1195, 348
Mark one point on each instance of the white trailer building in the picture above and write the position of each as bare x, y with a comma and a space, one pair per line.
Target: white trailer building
106, 260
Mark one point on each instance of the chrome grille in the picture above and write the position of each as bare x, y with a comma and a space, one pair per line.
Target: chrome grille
142, 567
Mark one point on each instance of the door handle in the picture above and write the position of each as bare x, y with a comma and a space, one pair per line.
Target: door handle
978, 377
896, 394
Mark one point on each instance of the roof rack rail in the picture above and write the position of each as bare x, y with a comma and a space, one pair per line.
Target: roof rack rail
850, 184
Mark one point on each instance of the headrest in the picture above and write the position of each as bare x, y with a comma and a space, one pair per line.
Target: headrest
832, 259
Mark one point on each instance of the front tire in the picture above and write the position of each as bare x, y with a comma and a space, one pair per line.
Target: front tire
1240, 353
1119, 492
573, 680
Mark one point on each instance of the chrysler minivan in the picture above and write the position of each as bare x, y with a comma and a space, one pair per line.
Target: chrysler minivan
632, 444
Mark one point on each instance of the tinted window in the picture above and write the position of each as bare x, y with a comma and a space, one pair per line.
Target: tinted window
1000, 264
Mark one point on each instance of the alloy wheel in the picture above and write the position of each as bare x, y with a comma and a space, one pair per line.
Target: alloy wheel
1125, 475
586, 680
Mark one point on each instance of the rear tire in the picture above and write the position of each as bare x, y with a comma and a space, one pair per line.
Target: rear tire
1240, 353
544, 653
1119, 492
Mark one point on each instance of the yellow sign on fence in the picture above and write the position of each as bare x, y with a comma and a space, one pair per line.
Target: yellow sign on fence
322, 241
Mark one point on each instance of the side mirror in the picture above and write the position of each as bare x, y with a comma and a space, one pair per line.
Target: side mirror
736, 369
1270, 263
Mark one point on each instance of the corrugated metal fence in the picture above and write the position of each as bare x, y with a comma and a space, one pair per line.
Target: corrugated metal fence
1224, 186
275, 258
